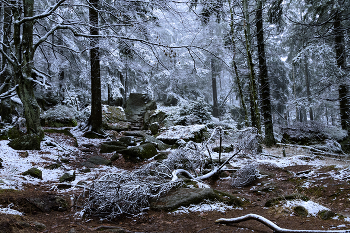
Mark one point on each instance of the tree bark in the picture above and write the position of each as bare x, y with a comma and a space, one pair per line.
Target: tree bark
214, 75
238, 80
96, 107
5, 105
263, 77
308, 91
24, 66
255, 114
341, 62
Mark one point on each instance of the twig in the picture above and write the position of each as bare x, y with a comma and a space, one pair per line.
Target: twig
273, 226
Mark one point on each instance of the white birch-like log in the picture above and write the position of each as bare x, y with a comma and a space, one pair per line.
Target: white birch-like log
273, 226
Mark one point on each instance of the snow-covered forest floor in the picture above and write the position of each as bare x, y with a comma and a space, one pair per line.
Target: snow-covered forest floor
323, 180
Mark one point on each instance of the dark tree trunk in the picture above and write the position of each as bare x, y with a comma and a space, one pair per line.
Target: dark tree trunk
96, 107
5, 105
254, 108
264, 81
341, 62
23, 73
214, 75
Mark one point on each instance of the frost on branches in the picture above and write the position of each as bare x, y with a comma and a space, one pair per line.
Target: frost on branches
130, 192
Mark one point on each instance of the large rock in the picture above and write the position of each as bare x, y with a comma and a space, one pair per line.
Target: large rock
113, 117
188, 196
137, 105
26, 142
158, 143
108, 147
139, 153
99, 160
33, 172
194, 133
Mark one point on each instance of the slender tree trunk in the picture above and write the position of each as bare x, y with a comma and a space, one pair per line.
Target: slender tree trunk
214, 75
264, 81
96, 105
238, 80
255, 114
341, 62
308, 91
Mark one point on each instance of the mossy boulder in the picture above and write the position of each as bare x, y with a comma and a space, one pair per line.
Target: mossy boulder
187, 196
108, 147
97, 160
26, 142
128, 140
67, 177
326, 214
277, 200
300, 211
34, 172
139, 153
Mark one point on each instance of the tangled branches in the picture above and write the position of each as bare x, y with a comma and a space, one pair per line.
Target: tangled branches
131, 192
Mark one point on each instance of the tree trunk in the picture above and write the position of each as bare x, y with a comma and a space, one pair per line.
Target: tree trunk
308, 91
5, 105
23, 72
214, 75
255, 114
238, 80
96, 107
341, 62
264, 81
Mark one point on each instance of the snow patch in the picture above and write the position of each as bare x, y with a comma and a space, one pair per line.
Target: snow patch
312, 207
204, 207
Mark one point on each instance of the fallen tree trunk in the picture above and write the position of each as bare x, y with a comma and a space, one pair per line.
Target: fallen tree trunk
273, 226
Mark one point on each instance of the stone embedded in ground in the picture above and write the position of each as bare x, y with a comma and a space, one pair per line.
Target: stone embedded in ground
139, 153
158, 143
128, 140
277, 200
33, 172
39, 226
300, 211
326, 214
99, 160
87, 164
115, 157
67, 177
108, 147
154, 127
26, 142
188, 196
53, 166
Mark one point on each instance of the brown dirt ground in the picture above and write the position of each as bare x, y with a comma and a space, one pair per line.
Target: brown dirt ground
275, 182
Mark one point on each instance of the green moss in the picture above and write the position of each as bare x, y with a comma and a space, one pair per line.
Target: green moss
326, 214
277, 200
34, 172
300, 211
4, 191
230, 199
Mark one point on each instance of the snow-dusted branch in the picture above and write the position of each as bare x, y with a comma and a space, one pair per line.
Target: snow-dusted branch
48, 12
9, 93
273, 226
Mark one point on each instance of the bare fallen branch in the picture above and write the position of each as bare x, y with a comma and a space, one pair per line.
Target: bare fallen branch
273, 226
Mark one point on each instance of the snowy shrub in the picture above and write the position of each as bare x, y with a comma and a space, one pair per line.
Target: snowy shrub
59, 112
63, 113
196, 112
311, 132
128, 192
